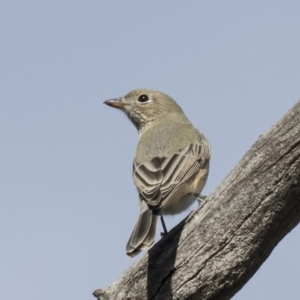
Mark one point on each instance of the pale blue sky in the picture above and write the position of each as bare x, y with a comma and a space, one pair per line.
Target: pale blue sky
67, 200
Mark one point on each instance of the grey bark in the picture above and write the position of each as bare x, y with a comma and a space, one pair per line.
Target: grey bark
218, 247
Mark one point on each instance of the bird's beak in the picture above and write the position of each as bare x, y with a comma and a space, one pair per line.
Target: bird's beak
116, 103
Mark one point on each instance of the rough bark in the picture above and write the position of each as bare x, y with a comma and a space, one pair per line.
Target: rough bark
218, 247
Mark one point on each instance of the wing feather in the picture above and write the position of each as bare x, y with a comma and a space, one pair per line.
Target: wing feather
157, 179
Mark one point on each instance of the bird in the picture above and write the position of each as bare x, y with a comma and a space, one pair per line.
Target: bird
171, 162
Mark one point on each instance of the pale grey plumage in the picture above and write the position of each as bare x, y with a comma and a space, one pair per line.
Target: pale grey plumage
171, 161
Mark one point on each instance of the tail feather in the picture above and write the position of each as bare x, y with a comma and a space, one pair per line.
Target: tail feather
143, 235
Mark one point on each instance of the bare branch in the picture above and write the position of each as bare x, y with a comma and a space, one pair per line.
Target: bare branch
218, 248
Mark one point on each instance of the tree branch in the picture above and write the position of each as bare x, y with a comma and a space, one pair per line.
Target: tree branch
218, 247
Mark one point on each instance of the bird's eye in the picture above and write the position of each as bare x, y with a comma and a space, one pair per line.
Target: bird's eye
143, 98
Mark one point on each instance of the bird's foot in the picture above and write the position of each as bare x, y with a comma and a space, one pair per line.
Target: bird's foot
201, 198
162, 234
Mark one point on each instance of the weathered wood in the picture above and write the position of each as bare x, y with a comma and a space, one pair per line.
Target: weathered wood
217, 249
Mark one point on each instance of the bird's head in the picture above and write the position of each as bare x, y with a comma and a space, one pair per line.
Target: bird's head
144, 105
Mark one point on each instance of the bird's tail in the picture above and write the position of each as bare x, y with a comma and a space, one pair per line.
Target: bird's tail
143, 234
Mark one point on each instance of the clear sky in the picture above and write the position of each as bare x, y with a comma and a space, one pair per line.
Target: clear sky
67, 200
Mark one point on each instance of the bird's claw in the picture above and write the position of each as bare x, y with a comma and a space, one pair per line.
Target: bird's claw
201, 198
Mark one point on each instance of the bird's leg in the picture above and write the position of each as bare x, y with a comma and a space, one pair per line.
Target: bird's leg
201, 198
164, 227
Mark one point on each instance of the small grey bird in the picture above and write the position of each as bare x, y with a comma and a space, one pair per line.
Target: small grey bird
171, 162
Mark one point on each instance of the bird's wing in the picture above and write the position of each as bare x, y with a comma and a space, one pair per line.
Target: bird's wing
156, 180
